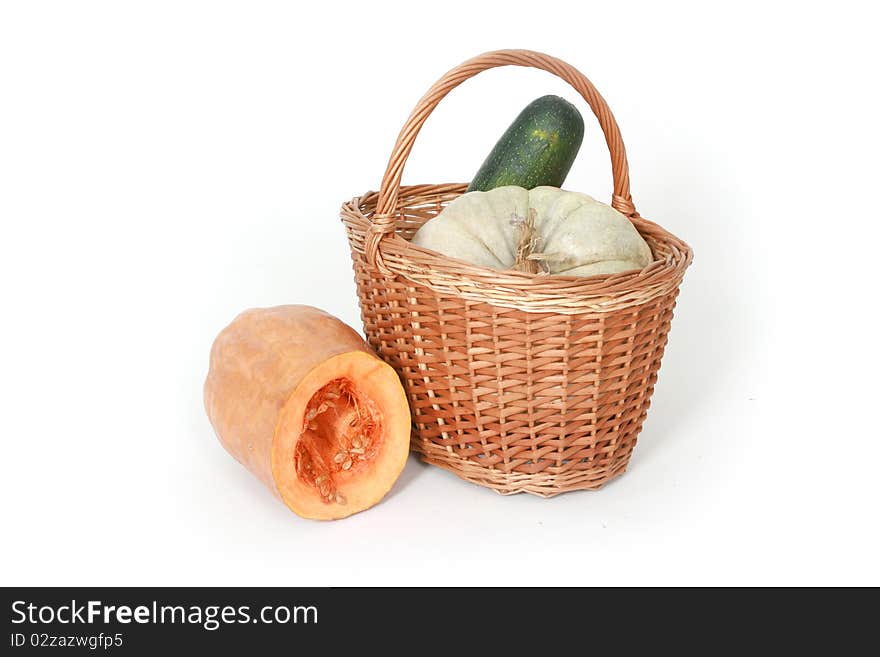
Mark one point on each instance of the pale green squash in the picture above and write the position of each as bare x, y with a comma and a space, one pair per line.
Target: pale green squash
574, 234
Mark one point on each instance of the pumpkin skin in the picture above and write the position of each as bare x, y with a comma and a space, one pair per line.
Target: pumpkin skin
288, 390
577, 235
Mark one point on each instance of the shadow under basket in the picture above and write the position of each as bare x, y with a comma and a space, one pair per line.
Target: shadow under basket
518, 382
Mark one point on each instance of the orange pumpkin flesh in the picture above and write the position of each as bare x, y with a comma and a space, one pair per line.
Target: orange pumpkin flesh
299, 399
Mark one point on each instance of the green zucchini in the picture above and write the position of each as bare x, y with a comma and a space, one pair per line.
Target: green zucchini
537, 149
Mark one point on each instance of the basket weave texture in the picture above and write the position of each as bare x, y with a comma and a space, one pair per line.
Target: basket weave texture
518, 382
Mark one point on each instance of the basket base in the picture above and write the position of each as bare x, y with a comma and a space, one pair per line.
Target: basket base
507, 483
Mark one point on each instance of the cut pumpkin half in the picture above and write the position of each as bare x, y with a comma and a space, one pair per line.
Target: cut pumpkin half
300, 400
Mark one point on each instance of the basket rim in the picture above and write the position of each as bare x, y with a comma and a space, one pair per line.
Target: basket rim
514, 289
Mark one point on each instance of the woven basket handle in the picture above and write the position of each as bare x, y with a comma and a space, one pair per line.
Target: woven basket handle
384, 219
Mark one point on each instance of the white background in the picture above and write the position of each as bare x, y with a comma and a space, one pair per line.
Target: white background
164, 165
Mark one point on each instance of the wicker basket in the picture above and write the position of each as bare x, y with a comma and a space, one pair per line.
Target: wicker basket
517, 382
